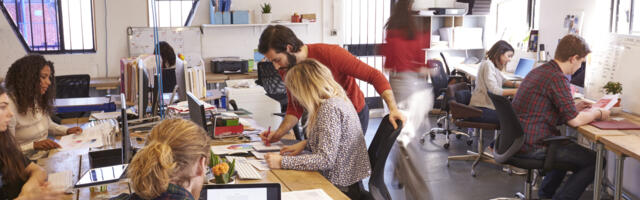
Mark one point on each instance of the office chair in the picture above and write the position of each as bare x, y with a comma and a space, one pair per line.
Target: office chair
72, 86
440, 80
378, 152
454, 75
508, 144
272, 83
458, 96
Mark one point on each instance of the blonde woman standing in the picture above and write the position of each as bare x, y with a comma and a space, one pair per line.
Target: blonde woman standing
336, 142
173, 163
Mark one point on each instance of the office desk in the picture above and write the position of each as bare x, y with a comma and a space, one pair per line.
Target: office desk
218, 78
105, 83
622, 146
84, 104
596, 136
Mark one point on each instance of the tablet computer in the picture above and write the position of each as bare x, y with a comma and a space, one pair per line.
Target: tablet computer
260, 191
102, 175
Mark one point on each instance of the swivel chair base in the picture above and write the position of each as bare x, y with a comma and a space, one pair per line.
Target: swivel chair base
476, 157
446, 131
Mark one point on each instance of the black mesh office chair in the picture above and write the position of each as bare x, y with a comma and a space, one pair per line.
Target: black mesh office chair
378, 152
439, 81
273, 84
72, 86
511, 139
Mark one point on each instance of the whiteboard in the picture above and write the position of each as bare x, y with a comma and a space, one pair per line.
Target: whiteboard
185, 40
618, 59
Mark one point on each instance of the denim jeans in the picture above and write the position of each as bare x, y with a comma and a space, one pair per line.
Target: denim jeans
584, 161
488, 116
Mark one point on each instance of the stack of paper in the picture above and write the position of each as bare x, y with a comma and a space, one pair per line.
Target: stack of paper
196, 81
183, 107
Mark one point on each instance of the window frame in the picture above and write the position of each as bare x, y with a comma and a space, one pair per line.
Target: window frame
60, 34
615, 17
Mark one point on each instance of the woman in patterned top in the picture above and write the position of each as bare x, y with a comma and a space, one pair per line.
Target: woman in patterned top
336, 142
172, 165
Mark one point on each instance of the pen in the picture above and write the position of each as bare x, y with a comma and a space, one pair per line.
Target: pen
266, 142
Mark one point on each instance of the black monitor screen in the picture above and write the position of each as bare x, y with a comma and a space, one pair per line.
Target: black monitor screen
578, 77
196, 110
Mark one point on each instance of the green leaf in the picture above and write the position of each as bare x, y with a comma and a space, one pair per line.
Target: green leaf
232, 168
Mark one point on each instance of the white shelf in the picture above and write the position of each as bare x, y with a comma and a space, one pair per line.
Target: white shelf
254, 25
450, 15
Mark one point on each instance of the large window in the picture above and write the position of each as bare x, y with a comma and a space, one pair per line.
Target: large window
52, 26
172, 13
625, 17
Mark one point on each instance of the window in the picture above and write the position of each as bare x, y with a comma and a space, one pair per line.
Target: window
172, 13
625, 18
52, 26
512, 21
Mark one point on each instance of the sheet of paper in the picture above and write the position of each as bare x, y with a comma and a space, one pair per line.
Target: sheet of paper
105, 115
259, 146
86, 139
315, 194
231, 149
260, 164
606, 102
258, 155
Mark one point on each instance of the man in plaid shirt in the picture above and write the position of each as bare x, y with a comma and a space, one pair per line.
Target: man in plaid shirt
544, 101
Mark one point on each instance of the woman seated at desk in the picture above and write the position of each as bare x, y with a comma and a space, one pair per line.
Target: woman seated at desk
19, 177
173, 163
490, 79
30, 80
337, 145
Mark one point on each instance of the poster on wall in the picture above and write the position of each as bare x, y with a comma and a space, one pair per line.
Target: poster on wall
572, 22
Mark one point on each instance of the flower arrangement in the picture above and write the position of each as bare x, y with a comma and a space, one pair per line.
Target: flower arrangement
222, 169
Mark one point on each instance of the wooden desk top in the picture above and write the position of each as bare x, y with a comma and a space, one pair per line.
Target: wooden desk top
306, 180
105, 83
84, 101
628, 145
218, 78
594, 134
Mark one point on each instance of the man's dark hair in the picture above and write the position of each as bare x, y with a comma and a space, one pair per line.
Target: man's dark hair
167, 54
277, 37
571, 45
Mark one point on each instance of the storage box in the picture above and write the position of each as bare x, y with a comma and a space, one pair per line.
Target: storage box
215, 17
240, 17
226, 18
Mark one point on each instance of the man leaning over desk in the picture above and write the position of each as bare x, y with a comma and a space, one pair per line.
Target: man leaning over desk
543, 101
281, 46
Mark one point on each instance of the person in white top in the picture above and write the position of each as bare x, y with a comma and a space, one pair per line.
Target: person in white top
490, 79
32, 92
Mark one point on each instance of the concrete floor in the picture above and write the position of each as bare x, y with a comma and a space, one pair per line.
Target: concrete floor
422, 171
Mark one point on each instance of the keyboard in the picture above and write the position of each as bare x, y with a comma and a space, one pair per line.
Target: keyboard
244, 169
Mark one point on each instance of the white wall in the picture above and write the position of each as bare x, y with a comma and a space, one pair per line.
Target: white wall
216, 41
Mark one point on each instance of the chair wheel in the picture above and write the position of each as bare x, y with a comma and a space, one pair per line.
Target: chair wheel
432, 135
422, 141
446, 146
473, 173
440, 125
469, 142
458, 136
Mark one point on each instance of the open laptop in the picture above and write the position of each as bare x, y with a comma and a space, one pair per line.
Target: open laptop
524, 67
260, 191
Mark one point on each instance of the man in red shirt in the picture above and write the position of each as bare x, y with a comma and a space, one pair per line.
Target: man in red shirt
542, 102
281, 46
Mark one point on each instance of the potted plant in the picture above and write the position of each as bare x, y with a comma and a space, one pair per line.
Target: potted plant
613, 88
222, 169
266, 13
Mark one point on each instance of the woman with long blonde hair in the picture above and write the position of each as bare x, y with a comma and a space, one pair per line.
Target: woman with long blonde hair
337, 145
173, 163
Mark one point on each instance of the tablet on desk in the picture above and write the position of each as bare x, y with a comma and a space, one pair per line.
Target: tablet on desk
261, 191
102, 175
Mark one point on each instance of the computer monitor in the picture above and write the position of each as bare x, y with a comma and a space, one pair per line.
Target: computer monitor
261, 191
578, 77
524, 67
196, 110
126, 141
180, 80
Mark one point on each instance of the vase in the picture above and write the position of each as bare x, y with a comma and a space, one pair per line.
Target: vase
266, 18
232, 180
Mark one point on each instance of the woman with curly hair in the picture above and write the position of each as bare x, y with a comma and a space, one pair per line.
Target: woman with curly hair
32, 93
19, 177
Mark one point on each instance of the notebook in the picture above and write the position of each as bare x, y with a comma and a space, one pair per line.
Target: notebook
616, 125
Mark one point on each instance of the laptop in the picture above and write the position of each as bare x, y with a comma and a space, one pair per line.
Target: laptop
524, 67
260, 191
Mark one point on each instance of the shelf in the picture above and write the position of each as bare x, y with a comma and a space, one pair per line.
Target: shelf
254, 25
450, 15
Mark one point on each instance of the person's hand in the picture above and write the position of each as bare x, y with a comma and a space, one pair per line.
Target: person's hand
396, 115
582, 105
292, 150
45, 145
76, 130
604, 114
43, 192
270, 136
274, 160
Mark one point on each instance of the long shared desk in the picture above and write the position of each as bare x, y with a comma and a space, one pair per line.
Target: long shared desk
78, 162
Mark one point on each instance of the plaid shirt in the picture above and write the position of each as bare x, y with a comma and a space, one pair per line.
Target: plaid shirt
174, 192
543, 101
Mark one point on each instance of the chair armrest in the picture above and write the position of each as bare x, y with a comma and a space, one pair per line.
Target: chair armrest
552, 144
461, 111
280, 114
